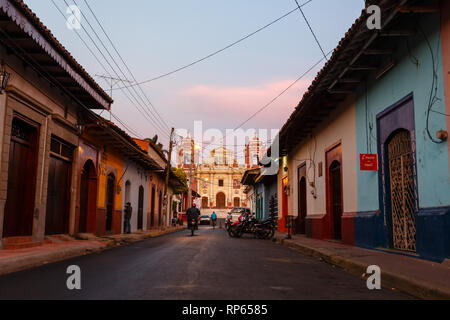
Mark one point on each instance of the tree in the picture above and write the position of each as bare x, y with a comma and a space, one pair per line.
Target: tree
159, 145
181, 175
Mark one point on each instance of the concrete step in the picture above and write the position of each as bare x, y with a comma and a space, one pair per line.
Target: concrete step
16, 243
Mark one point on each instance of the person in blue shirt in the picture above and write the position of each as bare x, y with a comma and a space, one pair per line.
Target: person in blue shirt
214, 219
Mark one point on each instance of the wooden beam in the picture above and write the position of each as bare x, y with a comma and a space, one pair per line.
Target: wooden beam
340, 91
398, 33
377, 52
418, 9
362, 68
349, 80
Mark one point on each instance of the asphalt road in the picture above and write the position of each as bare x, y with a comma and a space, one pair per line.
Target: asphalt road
208, 266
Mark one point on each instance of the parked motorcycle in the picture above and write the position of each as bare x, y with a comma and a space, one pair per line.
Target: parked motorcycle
245, 224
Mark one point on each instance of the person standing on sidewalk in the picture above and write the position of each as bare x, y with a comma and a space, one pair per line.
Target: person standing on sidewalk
127, 218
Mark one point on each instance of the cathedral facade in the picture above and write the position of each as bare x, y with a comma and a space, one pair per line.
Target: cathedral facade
217, 178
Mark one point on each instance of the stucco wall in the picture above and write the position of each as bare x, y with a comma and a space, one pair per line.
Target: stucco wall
137, 178
445, 38
404, 78
340, 126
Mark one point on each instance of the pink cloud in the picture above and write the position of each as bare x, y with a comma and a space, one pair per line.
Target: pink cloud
229, 104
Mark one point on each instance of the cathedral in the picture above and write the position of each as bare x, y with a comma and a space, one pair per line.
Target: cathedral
217, 177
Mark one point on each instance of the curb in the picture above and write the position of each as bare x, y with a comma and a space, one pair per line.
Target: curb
38, 259
389, 280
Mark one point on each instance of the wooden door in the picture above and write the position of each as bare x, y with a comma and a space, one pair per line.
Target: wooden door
88, 197
141, 208
160, 204
220, 201
58, 197
110, 201
300, 225
152, 208
284, 203
19, 208
336, 198
205, 202
237, 202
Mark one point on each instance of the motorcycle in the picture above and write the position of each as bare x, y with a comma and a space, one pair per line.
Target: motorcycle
245, 224
266, 229
193, 226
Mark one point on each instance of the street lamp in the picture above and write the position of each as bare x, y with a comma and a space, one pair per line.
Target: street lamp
4, 77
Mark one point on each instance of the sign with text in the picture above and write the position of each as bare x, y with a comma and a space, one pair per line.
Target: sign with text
368, 162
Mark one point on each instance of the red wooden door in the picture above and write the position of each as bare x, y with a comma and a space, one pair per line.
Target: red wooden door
301, 197
220, 201
18, 217
334, 192
284, 204
152, 211
110, 201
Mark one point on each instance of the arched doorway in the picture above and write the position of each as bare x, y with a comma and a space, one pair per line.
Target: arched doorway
401, 191
237, 202
141, 208
301, 198
204, 202
110, 189
335, 176
220, 201
88, 197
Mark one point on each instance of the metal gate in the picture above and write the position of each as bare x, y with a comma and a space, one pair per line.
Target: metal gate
402, 191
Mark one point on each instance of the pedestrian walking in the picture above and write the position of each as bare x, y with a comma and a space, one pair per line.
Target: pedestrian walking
214, 219
127, 218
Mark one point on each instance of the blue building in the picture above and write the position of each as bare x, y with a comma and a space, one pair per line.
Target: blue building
400, 108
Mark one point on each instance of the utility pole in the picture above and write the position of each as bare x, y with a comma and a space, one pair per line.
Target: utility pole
190, 180
168, 168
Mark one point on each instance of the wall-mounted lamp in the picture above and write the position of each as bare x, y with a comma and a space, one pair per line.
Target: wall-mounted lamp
4, 77
442, 135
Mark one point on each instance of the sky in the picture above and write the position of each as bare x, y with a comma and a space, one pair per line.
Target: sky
156, 37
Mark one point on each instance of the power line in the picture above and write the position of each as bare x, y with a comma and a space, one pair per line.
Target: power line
98, 60
310, 28
220, 50
120, 56
278, 96
117, 65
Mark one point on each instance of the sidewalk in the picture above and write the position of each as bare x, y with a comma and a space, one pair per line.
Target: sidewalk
420, 278
63, 248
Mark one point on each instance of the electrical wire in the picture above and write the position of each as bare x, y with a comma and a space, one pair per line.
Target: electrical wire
156, 123
311, 29
145, 114
220, 50
131, 73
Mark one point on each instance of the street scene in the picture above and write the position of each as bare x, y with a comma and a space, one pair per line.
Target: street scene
225, 151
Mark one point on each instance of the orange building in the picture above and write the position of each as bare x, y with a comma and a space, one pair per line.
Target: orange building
102, 149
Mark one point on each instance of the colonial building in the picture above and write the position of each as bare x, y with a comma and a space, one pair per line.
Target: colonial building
217, 177
365, 154
39, 128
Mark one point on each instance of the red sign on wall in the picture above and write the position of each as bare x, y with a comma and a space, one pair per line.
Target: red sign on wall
368, 162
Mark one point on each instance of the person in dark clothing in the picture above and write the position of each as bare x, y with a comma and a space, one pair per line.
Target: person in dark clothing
127, 218
192, 214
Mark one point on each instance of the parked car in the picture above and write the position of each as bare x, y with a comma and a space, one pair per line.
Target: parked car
235, 213
205, 220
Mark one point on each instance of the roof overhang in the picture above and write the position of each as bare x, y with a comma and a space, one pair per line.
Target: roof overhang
361, 52
24, 35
